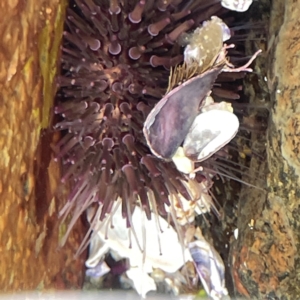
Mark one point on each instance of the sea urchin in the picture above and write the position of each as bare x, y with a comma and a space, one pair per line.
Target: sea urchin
115, 61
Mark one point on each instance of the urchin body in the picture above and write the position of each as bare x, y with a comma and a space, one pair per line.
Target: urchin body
116, 57
116, 61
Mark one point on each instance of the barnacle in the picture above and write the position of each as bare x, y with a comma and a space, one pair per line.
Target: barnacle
203, 46
206, 42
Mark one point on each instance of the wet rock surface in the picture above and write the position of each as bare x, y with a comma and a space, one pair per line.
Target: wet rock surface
31, 259
265, 262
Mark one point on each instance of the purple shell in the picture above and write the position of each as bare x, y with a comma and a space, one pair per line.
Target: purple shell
210, 268
170, 120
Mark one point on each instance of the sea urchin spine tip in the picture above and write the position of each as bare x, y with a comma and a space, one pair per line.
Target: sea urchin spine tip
136, 52
131, 178
156, 61
128, 140
147, 160
93, 43
107, 143
162, 5
125, 109
152, 92
114, 47
107, 111
145, 109
134, 89
114, 7
155, 28
173, 35
88, 142
136, 15
177, 16
117, 87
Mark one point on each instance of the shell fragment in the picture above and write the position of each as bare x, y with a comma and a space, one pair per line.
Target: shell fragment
210, 131
237, 5
210, 268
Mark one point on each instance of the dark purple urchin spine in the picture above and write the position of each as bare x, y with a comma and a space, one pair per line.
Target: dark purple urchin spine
115, 61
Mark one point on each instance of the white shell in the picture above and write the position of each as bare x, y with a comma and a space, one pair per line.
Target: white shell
216, 105
237, 5
183, 163
141, 263
210, 131
98, 271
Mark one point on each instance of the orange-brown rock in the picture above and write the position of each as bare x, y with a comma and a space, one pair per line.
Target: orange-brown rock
30, 34
266, 261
